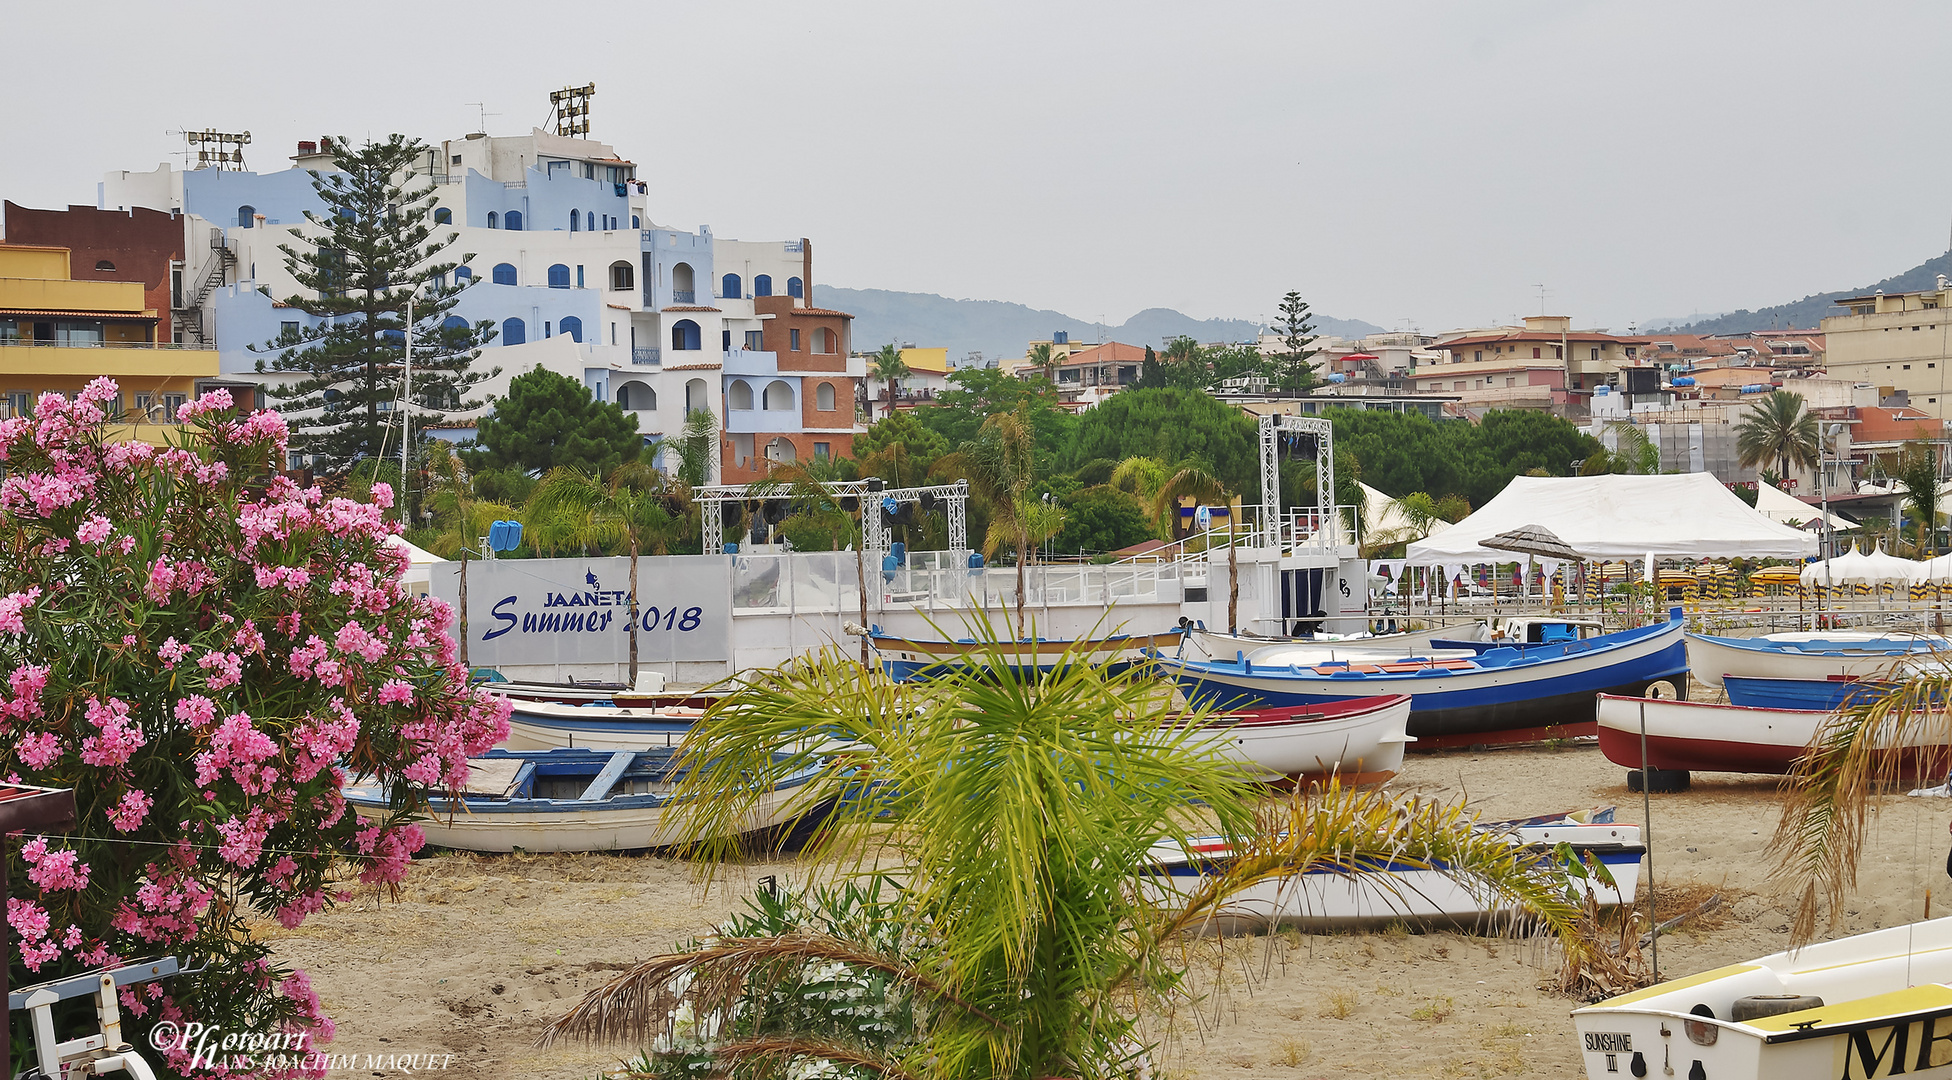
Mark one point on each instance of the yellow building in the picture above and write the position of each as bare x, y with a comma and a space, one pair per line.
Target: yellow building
1897, 341
58, 334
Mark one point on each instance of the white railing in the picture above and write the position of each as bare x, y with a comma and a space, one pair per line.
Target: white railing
805, 583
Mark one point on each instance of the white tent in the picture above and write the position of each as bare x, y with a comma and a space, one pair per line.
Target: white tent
1778, 505
419, 562
1381, 516
1689, 516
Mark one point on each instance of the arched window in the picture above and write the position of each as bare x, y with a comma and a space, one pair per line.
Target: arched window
462, 273
513, 332
443, 216
823, 398
762, 285
246, 216
794, 288
514, 221
684, 336
622, 276
493, 219
573, 222
739, 395
779, 396
780, 451
731, 288
823, 340
454, 322
573, 327
589, 220
636, 396
103, 266
559, 276
635, 222
682, 285
695, 397
504, 274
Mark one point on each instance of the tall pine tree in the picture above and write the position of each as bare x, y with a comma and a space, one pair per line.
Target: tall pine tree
1291, 369
373, 248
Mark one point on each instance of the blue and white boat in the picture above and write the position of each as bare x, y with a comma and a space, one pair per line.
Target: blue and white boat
906, 659
575, 800
542, 725
1407, 892
1812, 695
1803, 654
1505, 693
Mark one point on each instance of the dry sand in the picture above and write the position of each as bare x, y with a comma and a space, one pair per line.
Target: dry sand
478, 953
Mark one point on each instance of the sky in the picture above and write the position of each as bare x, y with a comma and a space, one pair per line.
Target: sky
1418, 165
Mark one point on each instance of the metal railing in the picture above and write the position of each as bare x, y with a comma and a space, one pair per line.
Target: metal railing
645, 354
822, 582
684, 296
35, 343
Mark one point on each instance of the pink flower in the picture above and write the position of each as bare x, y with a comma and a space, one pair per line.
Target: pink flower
127, 815
226, 668
38, 751
396, 692
12, 605
95, 530
171, 651
57, 870
120, 735
197, 711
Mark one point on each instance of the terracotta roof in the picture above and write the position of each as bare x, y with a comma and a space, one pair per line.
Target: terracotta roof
692, 367
829, 312
1111, 352
1541, 336
620, 307
687, 307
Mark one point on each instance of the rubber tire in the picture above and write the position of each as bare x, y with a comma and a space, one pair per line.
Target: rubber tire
1756, 1006
1665, 781
1663, 690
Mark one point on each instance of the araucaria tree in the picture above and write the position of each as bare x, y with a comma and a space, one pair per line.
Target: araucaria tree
205, 653
1292, 368
375, 246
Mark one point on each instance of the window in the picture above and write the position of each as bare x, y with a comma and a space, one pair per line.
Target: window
822, 451
762, 285
823, 398
684, 336
572, 221
793, 287
454, 160
1908, 366
730, 286
1596, 353
454, 322
794, 337
246, 216
462, 273
635, 223
778, 397
546, 324
513, 332
589, 220
823, 340
573, 327
288, 329
559, 276
695, 397
443, 216
739, 396
725, 340
622, 275
504, 274
514, 222
103, 266
579, 275
756, 340
1558, 352
493, 220
1535, 352
1477, 354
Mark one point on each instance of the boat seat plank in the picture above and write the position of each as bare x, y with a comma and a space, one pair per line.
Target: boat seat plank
613, 770
493, 777
1929, 997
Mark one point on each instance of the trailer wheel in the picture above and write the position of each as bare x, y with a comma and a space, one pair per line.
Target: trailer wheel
1662, 781
1662, 690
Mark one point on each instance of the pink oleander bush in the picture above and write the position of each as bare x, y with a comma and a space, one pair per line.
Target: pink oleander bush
204, 652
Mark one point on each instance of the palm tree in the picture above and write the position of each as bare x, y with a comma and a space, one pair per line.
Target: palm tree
1021, 864
636, 504
695, 445
1917, 470
1633, 451
1778, 429
887, 364
1142, 477
999, 464
1045, 359
1194, 482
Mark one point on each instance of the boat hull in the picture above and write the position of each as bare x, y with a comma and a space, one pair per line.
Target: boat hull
1548, 691
1362, 742
1727, 738
909, 659
549, 726
1822, 695
1798, 656
1885, 1010
1325, 900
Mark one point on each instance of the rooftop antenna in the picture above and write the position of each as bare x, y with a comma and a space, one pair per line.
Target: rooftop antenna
570, 109
1541, 289
482, 107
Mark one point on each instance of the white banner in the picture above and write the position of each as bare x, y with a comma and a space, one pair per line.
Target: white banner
525, 612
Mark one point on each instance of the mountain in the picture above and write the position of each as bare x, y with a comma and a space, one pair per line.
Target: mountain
997, 328
1805, 314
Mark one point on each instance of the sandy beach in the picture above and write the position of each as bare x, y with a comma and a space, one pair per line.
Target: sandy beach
476, 954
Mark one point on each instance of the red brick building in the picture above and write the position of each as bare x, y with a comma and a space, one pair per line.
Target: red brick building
138, 244
809, 350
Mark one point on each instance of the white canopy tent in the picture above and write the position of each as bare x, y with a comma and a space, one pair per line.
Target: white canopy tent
1778, 505
420, 561
1686, 516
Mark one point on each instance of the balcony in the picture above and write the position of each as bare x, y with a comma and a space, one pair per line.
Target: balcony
751, 362
761, 421
684, 296
645, 354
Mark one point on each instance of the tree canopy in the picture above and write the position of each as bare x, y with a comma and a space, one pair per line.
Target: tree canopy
1172, 425
550, 421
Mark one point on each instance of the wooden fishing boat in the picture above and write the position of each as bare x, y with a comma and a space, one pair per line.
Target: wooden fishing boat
541, 725
1689, 735
1506, 693
1397, 892
1802, 654
1823, 695
1873, 1005
1361, 740
918, 658
573, 800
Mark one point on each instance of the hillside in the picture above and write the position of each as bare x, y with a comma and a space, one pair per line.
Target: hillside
1804, 314
998, 328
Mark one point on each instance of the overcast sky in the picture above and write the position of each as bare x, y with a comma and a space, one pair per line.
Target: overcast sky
1415, 164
